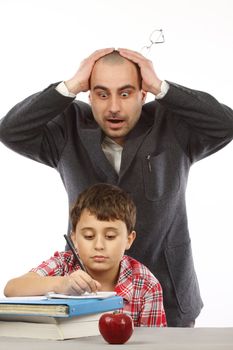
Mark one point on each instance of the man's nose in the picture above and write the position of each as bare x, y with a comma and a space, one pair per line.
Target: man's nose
114, 105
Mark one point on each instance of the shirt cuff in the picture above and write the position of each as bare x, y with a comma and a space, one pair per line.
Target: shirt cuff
62, 89
164, 89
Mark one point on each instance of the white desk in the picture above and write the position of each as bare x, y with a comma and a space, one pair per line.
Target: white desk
142, 339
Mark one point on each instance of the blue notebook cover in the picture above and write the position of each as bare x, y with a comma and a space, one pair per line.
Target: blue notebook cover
76, 307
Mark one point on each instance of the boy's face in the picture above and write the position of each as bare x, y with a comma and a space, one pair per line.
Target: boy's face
101, 244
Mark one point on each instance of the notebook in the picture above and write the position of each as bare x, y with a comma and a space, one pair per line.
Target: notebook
54, 318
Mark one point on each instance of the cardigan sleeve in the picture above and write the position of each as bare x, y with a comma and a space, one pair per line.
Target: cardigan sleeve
201, 124
36, 126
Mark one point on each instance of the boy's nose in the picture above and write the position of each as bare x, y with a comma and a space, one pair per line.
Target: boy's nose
99, 244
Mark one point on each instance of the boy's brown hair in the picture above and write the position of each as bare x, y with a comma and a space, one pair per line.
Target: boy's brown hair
106, 202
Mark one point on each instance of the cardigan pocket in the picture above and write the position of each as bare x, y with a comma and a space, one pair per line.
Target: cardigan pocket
160, 175
181, 270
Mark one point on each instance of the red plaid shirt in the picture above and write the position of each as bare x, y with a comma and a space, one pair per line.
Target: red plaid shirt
141, 291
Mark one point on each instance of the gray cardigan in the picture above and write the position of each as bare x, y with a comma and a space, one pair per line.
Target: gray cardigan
171, 134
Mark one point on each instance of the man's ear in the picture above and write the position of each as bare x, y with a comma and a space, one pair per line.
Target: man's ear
144, 94
89, 97
131, 237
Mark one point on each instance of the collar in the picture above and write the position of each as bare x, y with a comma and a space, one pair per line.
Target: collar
107, 141
124, 287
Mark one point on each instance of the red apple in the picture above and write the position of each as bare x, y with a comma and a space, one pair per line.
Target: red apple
116, 328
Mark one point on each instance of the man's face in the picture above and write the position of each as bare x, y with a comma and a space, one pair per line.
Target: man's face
116, 98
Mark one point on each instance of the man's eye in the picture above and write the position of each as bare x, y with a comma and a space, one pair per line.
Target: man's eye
125, 94
102, 94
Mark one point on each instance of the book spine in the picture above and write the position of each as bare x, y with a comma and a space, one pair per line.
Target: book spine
101, 305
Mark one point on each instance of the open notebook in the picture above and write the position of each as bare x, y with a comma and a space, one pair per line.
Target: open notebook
98, 295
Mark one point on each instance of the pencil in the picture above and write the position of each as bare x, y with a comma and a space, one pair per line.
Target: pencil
71, 246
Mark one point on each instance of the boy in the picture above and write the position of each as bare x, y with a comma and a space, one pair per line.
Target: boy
103, 220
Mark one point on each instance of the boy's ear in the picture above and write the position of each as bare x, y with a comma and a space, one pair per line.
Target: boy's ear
73, 237
131, 237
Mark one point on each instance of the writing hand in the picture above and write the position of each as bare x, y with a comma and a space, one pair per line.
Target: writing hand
80, 81
77, 283
150, 81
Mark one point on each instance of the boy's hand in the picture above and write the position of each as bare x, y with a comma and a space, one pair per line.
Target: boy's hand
150, 81
80, 81
77, 283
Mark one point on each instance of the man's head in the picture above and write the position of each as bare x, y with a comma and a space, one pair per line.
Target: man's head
116, 95
103, 220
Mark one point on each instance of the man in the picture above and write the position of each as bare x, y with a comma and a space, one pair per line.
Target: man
146, 149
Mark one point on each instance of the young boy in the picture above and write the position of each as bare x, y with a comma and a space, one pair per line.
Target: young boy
103, 220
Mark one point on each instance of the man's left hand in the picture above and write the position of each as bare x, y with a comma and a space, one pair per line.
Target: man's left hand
150, 81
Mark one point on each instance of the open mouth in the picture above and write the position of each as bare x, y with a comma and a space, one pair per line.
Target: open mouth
115, 123
115, 120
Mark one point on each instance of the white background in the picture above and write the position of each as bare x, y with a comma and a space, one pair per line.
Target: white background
43, 42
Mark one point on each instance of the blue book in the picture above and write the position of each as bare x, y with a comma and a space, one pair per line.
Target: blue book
55, 316
59, 307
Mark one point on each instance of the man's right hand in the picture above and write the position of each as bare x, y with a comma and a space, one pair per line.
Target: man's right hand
80, 81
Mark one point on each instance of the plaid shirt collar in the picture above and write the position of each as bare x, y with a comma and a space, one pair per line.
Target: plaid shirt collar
124, 286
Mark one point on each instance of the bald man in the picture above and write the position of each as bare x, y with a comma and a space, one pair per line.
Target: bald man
145, 148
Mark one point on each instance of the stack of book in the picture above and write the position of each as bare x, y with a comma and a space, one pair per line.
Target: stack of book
56, 317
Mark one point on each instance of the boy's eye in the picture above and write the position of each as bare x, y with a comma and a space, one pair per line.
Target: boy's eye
110, 236
88, 236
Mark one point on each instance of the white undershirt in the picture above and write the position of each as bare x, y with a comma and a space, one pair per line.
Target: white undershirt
113, 152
